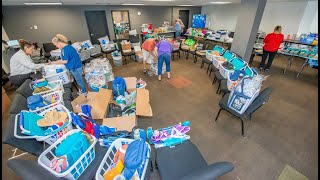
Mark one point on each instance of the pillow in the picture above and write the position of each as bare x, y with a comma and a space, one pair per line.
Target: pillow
77, 46
104, 40
86, 44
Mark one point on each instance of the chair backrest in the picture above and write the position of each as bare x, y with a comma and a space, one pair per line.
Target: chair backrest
249, 72
204, 44
262, 98
238, 63
48, 47
219, 48
210, 46
228, 55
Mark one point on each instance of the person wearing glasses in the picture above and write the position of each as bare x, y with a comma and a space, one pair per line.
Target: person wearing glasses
21, 65
71, 59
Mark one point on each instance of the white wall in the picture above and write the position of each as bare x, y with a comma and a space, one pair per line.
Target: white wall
286, 14
221, 16
5, 38
309, 19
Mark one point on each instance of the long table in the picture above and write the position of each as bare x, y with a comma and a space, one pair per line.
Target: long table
288, 41
223, 43
170, 33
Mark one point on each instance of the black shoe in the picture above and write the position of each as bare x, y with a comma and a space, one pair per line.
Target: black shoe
260, 68
266, 70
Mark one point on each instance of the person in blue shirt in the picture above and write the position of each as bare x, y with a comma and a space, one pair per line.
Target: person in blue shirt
178, 28
71, 59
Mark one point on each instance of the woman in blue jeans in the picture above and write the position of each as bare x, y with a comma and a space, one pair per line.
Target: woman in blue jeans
164, 54
71, 59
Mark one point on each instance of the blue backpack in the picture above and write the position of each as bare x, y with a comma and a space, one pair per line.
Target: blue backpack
135, 158
118, 86
36, 101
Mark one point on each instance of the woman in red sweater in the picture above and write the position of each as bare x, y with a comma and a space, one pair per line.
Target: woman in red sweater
271, 45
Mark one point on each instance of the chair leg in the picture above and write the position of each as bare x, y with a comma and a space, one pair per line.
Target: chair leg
195, 59
214, 80
220, 91
210, 71
242, 128
202, 64
209, 65
224, 94
218, 87
218, 114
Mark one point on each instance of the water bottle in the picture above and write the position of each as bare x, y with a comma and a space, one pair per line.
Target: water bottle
136, 134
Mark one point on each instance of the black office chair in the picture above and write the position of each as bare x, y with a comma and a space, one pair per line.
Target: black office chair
125, 54
28, 169
210, 46
200, 54
185, 162
30, 146
224, 87
176, 51
47, 48
261, 99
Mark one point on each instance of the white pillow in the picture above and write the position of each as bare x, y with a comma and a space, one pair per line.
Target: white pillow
104, 41
86, 44
77, 46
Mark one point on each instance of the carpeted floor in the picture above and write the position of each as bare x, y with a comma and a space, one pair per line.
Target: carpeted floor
284, 131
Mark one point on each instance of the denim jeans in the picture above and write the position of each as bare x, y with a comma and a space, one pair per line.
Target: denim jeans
178, 33
77, 74
163, 58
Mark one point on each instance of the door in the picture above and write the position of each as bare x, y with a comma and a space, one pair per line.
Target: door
97, 25
184, 16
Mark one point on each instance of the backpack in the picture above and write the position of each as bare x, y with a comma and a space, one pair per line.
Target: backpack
135, 158
118, 86
36, 101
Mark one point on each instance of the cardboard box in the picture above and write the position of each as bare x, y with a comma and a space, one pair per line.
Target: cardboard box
143, 108
99, 101
126, 46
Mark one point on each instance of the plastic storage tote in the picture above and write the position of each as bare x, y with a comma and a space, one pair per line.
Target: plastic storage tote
95, 50
55, 135
84, 55
63, 76
54, 97
108, 162
75, 171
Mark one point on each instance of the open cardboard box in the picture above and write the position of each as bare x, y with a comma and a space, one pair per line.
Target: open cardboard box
99, 101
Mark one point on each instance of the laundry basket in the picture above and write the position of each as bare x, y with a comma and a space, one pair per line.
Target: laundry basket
52, 137
209, 54
53, 86
75, 171
63, 76
117, 60
108, 162
84, 55
54, 97
95, 50
215, 61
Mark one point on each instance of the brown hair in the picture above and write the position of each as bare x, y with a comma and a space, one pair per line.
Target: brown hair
277, 28
23, 43
60, 38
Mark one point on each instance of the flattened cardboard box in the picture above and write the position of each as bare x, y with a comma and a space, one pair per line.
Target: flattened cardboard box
131, 84
99, 101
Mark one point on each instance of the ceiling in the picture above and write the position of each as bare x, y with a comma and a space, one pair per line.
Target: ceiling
120, 2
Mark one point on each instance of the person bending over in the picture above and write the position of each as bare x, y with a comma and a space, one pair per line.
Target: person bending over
148, 52
271, 45
71, 59
164, 49
21, 64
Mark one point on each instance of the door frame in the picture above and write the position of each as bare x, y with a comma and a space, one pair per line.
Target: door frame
105, 15
113, 20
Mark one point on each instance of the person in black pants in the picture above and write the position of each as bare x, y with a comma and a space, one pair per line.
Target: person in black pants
271, 45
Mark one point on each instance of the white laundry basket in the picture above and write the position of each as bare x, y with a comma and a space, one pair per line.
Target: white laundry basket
56, 134
54, 85
75, 171
63, 76
108, 162
58, 99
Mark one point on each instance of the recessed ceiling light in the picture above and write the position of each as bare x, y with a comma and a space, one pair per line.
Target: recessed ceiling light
186, 5
44, 3
220, 2
133, 4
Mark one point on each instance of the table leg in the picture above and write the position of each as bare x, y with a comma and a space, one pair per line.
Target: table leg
289, 65
301, 69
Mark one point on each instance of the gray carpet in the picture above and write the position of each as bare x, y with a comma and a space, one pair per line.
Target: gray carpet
284, 131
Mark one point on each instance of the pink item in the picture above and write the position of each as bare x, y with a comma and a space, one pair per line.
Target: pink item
59, 164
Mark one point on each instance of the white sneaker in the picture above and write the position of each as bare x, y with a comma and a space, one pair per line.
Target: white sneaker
80, 92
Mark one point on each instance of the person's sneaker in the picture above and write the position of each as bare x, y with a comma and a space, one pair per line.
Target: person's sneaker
80, 92
267, 71
260, 68
145, 71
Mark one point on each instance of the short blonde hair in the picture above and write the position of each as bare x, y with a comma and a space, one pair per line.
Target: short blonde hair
60, 38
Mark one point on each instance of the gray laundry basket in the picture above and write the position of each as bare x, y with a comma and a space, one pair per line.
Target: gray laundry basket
95, 50
84, 55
